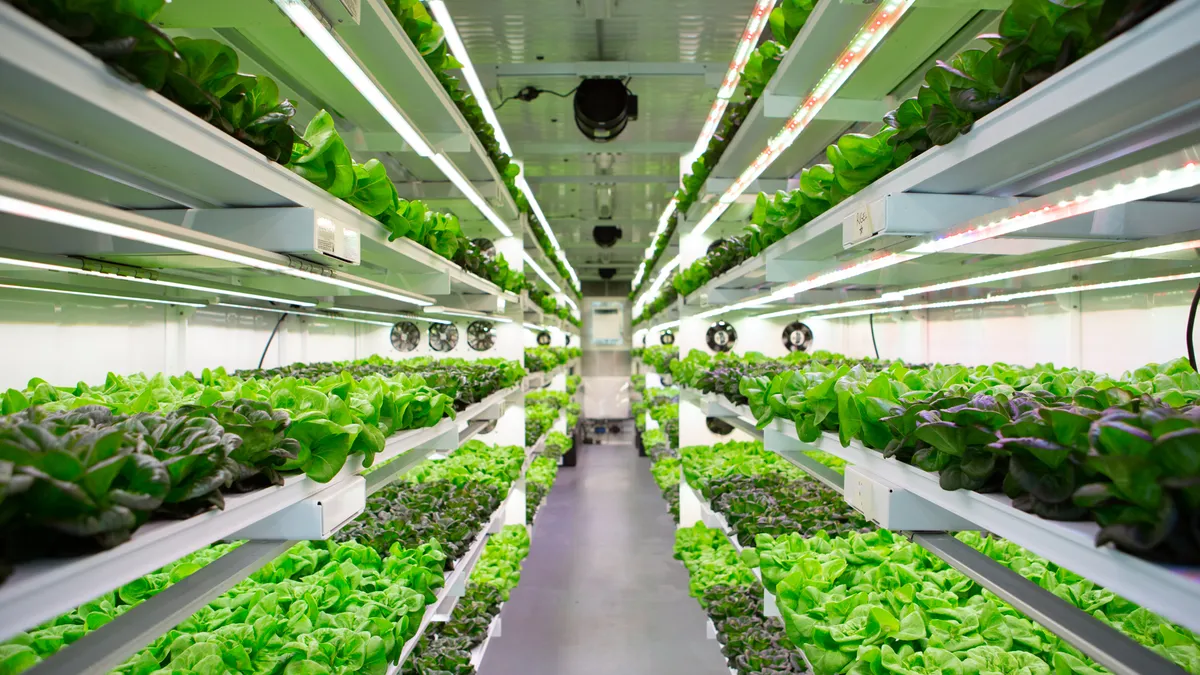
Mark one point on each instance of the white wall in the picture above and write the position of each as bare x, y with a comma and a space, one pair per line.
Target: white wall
1111, 332
72, 340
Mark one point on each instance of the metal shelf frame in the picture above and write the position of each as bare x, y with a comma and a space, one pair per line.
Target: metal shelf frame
42, 590
1162, 590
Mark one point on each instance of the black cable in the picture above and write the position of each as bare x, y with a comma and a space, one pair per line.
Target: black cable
501, 104
530, 93
871, 319
547, 91
270, 339
1191, 325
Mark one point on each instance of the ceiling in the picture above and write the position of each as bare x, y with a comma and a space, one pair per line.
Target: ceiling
677, 50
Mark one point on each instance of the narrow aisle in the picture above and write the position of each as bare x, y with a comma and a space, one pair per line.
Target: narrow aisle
600, 593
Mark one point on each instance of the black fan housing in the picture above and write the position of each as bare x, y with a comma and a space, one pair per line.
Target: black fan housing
721, 336
543, 338
405, 336
667, 337
797, 337
718, 426
443, 337
480, 336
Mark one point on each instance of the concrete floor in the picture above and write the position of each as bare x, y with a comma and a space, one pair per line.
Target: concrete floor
600, 593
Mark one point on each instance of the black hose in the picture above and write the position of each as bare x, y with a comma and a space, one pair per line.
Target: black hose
270, 339
1191, 325
871, 319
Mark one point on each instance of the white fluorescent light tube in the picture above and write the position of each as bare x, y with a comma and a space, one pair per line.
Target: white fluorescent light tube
459, 50
546, 278
464, 186
998, 276
466, 313
1009, 297
664, 326
532, 326
409, 317
865, 40
660, 231
108, 296
328, 44
27, 209
871, 264
276, 310
155, 282
820, 308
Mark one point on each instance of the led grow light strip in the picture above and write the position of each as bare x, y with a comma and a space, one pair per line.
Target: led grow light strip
328, 44
654, 287
1009, 297
409, 317
537, 212
664, 326
464, 186
27, 209
51, 267
868, 37
1045, 210
311, 314
466, 313
459, 50
990, 278
89, 294
540, 272
746, 45
661, 231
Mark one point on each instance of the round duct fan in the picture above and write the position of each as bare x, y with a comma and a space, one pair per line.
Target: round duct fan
443, 337
480, 336
667, 337
721, 336
405, 336
797, 337
543, 338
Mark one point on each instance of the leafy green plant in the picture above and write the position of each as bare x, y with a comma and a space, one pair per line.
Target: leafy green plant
557, 445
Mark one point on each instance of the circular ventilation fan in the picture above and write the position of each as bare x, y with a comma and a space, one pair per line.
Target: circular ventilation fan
480, 336
718, 426
544, 338
567, 339
667, 337
405, 336
797, 337
721, 336
443, 337
667, 379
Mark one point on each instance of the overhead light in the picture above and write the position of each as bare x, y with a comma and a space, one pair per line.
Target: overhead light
541, 217
862, 266
894, 296
541, 273
469, 314
663, 326
51, 267
754, 28
1180, 172
534, 326
864, 42
658, 282
410, 317
464, 186
1009, 297
821, 308
50, 214
276, 310
661, 231
332, 48
109, 296
459, 50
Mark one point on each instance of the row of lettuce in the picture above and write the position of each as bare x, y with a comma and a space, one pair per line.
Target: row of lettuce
542, 410
82, 467
1062, 443
1035, 40
202, 76
854, 599
347, 605
544, 359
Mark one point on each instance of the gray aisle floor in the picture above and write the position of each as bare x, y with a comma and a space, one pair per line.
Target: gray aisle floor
600, 593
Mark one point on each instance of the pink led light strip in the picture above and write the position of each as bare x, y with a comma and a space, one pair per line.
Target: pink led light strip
865, 41
754, 29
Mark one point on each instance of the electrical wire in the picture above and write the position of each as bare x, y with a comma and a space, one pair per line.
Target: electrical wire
274, 330
1191, 326
529, 94
871, 319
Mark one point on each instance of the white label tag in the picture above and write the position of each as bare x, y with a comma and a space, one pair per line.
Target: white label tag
326, 236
